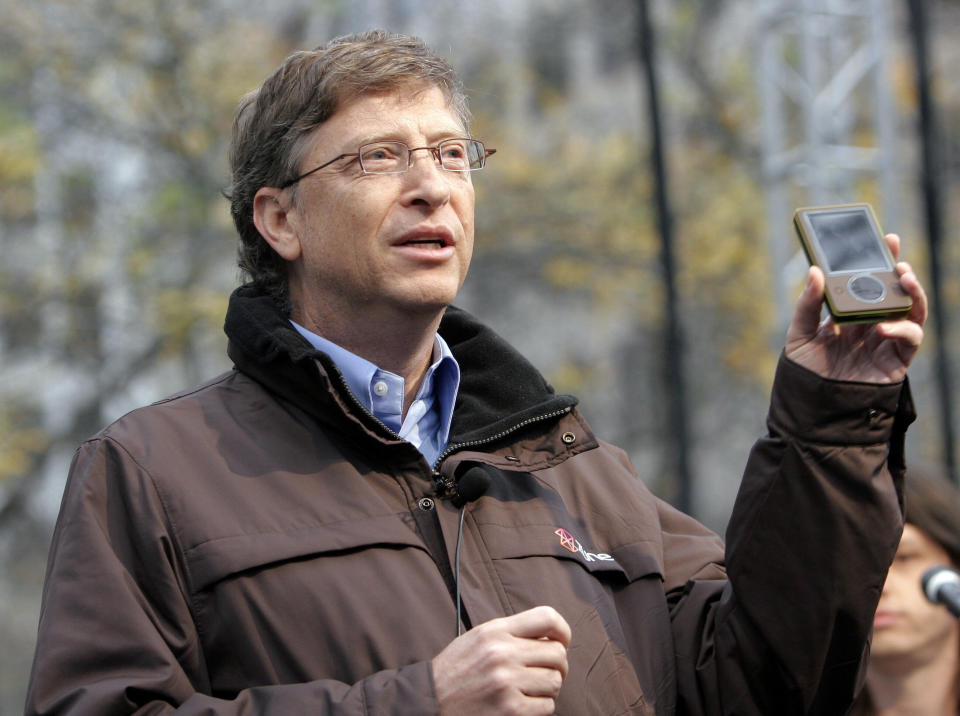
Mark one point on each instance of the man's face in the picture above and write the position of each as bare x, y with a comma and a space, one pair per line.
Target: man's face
907, 627
385, 246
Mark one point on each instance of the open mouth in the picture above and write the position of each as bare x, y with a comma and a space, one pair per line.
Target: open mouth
431, 238
425, 243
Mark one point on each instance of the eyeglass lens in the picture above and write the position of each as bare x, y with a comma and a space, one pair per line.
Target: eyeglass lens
455, 155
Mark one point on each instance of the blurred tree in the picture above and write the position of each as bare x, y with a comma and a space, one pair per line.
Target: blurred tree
118, 248
570, 201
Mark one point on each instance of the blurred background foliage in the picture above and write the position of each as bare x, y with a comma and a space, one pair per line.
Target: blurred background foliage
118, 249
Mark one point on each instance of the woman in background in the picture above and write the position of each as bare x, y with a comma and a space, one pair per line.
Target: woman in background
914, 663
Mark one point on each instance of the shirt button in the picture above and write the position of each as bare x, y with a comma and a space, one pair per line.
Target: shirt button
425, 504
380, 388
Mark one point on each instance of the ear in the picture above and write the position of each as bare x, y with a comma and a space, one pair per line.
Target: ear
272, 217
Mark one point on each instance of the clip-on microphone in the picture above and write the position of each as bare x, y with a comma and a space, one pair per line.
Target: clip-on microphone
469, 486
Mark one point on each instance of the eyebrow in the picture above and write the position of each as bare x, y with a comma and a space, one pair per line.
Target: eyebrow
432, 139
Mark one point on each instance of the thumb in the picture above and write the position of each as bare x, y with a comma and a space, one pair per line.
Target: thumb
542, 622
806, 318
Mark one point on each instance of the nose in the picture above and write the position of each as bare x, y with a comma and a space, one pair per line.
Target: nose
425, 181
434, 151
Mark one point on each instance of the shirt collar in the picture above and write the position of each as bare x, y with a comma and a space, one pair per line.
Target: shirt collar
357, 372
442, 379
444, 376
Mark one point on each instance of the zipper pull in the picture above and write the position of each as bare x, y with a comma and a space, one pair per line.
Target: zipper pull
444, 487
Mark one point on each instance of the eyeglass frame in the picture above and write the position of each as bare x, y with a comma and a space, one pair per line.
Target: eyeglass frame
434, 150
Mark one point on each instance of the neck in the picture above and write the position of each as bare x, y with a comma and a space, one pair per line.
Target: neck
402, 345
898, 687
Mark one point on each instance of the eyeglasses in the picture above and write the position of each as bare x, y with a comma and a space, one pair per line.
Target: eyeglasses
455, 155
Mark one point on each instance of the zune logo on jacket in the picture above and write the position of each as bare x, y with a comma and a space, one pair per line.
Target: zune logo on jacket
572, 544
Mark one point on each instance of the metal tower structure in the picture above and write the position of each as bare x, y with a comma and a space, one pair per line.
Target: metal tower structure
828, 119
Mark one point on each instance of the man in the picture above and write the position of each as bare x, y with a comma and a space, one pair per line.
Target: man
310, 532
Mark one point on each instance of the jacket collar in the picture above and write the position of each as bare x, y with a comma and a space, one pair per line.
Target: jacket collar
500, 390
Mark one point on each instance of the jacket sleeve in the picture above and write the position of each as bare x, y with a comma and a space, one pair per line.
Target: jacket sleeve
814, 529
116, 632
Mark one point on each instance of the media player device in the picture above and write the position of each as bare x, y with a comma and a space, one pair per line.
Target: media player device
862, 283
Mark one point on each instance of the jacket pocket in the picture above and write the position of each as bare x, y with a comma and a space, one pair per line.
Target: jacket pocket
211, 561
586, 583
337, 601
624, 562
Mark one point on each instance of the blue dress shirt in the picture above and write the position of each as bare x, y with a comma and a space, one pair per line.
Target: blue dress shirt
427, 424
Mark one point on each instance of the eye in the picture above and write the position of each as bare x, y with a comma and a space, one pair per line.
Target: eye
383, 156
454, 153
453, 150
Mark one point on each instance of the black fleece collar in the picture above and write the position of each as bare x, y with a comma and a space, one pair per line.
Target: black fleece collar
499, 388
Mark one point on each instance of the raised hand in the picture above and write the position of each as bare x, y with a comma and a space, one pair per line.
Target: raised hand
867, 352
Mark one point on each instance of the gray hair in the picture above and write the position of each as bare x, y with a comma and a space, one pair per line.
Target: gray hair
273, 124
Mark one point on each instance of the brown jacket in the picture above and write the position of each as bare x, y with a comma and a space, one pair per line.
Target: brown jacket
262, 545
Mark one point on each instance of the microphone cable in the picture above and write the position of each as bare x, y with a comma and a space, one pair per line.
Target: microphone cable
467, 488
456, 559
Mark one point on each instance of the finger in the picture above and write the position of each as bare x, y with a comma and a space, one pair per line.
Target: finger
911, 284
904, 267
907, 332
537, 705
893, 241
543, 654
539, 623
541, 682
806, 317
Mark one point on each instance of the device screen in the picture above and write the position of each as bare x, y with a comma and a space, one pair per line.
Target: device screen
848, 241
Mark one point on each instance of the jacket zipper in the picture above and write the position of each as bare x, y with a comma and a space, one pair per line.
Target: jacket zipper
450, 449
356, 401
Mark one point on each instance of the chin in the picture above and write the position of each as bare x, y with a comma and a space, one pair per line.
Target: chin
431, 299
887, 647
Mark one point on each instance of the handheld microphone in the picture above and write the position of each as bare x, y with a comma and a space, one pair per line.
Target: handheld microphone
941, 585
